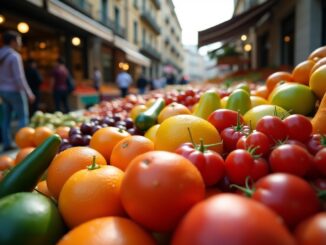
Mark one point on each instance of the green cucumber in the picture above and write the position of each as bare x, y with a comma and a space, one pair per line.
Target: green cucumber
25, 176
148, 118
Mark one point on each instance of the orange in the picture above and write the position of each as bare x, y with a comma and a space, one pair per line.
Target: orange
261, 91
66, 163
301, 72
171, 110
318, 53
23, 153
128, 148
6, 162
318, 64
25, 137
159, 187
136, 110
41, 134
91, 193
174, 131
151, 132
317, 81
43, 188
275, 78
106, 138
63, 132
108, 231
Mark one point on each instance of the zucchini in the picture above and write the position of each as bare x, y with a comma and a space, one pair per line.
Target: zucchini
148, 118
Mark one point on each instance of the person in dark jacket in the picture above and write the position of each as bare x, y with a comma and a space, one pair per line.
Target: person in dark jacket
34, 80
142, 84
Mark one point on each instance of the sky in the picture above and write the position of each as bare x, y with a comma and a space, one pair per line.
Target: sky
196, 15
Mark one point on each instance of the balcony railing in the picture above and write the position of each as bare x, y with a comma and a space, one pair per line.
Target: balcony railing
82, 6
119, 30
115, 27
148, 50
147, 17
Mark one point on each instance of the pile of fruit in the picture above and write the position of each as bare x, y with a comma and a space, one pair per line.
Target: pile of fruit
193, 165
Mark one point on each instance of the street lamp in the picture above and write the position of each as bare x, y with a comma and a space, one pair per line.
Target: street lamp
247, 47
75, 41
2, 19
243, 37
23, 27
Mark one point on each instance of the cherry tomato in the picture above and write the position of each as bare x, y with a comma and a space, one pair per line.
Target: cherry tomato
209, 163
231, 135
312, 231
190, 92
273, 127
288, 195
290, 159
241, 144
231, 219
299, 127
320, 161
224, 118
240, 164
315, 143
259, 141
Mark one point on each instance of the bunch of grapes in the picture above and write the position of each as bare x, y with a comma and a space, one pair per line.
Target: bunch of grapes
81, 136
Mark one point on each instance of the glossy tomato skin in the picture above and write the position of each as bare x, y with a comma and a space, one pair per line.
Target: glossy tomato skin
233, 220
320, 161
288, 195
273, 127
312, 231
315, 143
209, 163
240, 164
224, 118
259, 141
290, 159
299, 127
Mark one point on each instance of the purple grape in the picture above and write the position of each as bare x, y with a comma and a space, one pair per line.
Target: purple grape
108, 121
116, 118
95, 128
86, 128
95, 120
86, 139
131, 131
74, 131
76, 140
129, 122
64, 146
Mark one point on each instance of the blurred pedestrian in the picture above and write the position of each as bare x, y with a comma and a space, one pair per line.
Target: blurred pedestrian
60, 76
123, 81
34, 80
97, 79
142, 84
183, 80
14, 89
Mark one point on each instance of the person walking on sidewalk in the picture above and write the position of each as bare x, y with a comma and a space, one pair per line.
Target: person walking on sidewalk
34, 80
123, 81
14, 89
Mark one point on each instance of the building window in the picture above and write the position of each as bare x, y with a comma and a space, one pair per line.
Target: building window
287, 40
144, 37
263, 50
104, 10
144, 4
117, 17
136, 4
323, 25
135, 32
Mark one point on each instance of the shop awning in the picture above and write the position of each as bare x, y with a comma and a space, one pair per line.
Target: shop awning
235, 26
72, 16
131, 53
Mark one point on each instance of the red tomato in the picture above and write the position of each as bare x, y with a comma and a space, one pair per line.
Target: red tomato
224, 118
231, 135
320, 161
288, 195
273, 127
315, 143
290, 159
299, 127
312, 231
259, 141
209, 163
240, 164
190, 92
233, 220
241, 144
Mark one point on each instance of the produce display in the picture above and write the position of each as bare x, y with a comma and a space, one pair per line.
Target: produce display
192, 164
